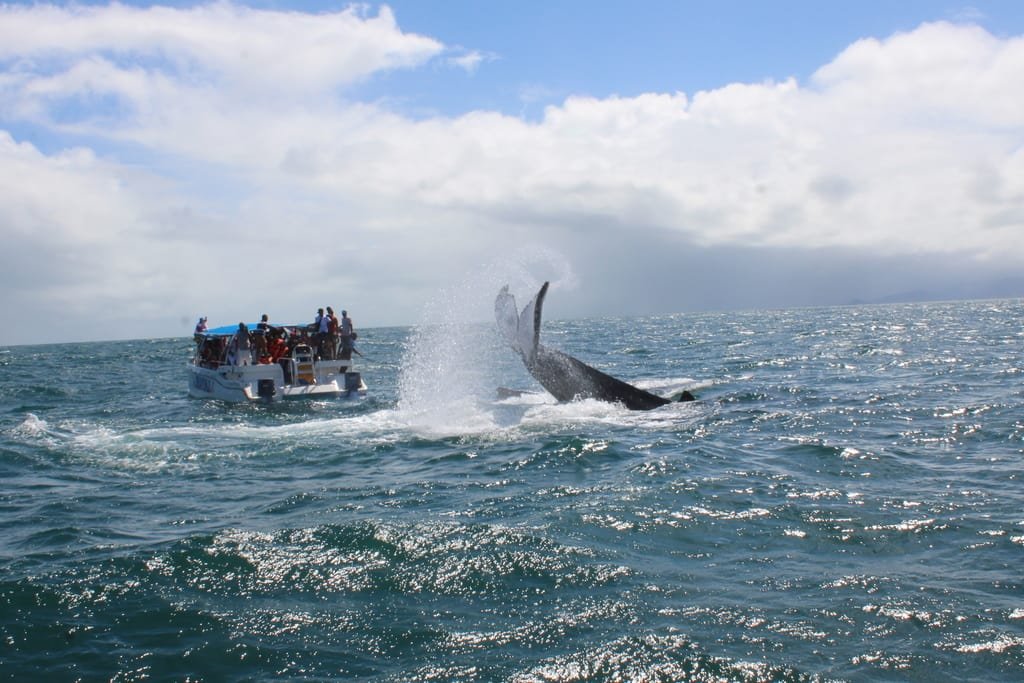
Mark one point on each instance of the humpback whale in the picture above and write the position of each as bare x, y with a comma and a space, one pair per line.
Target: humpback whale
564, 377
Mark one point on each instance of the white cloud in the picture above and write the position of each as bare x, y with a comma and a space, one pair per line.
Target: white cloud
83, 233
469, 60
907, 145
231, 45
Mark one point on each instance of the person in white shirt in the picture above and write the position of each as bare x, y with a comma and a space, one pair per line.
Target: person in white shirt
348, 335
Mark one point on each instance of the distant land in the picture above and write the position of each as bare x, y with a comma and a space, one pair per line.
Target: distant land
1005, 288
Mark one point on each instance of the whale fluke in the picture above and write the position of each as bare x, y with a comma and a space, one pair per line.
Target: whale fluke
563, 376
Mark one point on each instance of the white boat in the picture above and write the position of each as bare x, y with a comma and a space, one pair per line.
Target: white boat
295, 367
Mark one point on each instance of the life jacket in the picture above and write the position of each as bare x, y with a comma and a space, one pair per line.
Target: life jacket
277, 349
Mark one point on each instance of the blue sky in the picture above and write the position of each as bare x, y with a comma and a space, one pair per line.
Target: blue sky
576, 47
656, 158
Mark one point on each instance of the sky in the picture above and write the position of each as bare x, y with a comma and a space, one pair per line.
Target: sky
159, 162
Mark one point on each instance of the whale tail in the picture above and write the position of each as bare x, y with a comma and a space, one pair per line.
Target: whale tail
520, 329
564, 377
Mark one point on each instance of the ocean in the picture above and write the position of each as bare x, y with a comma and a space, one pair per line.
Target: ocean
844, 501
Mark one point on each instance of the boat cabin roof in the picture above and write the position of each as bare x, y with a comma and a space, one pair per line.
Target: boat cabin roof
228, 330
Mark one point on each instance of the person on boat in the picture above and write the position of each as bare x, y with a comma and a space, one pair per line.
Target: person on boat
260, 338
200, 330
323, 338
277, 348
240, 350
348, 336
331, 344
319, 329
295, 336
211, 352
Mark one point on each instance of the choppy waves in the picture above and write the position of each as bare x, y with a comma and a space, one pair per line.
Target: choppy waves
842, 503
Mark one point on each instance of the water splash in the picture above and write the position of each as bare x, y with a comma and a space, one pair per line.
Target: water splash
454, 360
33, 426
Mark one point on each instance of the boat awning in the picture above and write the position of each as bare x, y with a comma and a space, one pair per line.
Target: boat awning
228, 330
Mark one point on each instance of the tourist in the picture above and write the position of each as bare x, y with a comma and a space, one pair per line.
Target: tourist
200, 330
348, 335
323, 323
332, 334
277, 348
260, 335
240, 350
263, 326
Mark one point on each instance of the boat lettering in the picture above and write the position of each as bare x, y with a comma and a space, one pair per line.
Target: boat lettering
200, 383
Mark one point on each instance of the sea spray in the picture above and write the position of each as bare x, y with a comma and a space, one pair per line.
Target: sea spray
454, 360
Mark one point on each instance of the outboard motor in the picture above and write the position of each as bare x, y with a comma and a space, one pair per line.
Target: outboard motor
352, 382
266, 389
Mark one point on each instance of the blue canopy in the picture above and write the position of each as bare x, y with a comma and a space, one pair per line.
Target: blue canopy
228, 330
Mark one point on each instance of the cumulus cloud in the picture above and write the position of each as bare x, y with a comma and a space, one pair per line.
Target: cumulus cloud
220, 143
226, 44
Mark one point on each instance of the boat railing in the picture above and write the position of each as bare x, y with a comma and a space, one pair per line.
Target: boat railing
300, 365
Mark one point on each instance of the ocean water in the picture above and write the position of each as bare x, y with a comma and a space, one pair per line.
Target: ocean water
843, 502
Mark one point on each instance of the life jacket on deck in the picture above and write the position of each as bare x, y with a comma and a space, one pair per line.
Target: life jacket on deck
276, 349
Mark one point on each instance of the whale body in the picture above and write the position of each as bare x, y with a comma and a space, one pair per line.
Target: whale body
563, 376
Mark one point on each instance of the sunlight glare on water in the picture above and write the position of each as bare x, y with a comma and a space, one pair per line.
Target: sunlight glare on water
842, 502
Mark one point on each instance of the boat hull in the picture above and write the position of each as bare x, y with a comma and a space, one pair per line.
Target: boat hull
269, 383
